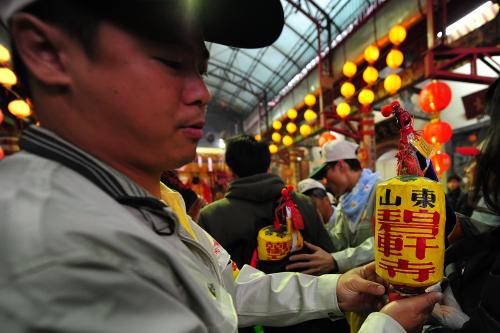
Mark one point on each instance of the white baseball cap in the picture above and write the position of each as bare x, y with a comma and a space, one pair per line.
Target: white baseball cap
335, 151
309, 184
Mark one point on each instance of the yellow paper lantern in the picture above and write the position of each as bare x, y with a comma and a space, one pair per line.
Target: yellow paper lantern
276, 137
292, 114
371, 54
277, 125
19, 108
366, 97
273, 149
347, 89
4, 54
343, 109
394, 58
310, 115
370, 75
291, 128
7, 77
305, 130
287, 140
310, 100
258, 137
392, 83
349, 69
397, 34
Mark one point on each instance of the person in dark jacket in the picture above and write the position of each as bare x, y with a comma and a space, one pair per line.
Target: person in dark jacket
249, 205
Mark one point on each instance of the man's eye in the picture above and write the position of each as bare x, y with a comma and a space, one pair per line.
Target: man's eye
170, 63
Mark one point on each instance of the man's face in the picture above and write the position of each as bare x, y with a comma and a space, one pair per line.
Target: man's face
337, 180
324, 208
453, 184
143, 101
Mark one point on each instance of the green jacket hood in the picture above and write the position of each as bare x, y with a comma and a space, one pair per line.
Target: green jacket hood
261, 187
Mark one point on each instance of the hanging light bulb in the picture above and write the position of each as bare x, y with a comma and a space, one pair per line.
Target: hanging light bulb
291, 128
371, 54
366, 97
394, 58
370, 75
292, 114
343, 109
310, 99
287, 140
310, 115
277, 125
19, 108
4, 54
273, 149
7, 77
276, 137
392, 83
305, 130
349, 69
347, 89
397, 34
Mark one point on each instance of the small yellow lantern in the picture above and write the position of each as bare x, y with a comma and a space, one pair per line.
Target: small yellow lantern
277, 125
394, 58
371, 54
273, 149
258, 137
370, 75
392, 83
305, 130
4, 54
310, 115
310, 99
7, 77
343, 109
292, 114
287, 140
291, 128
366, 97
347, 89
19, 108
397, 34
276, 137
349, 69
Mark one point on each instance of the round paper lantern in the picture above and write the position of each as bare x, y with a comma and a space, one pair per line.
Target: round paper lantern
310, 115
310, 100
435, 97
371, 54
325, 137
349, 69
1, 116
276, 137
370, 75
7, 77
394, 58
392, 83
347, 89
2, 153
273, 149
291, 128
287, 140
4, 54
292, 114
397, 34
437, 132
277, 125
258, 137
366, 97
19, 108
441, 162
305, 130
343, 109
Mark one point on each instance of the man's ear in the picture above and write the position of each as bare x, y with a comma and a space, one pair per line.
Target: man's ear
42, 48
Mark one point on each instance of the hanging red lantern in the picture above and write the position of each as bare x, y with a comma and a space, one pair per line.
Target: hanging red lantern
441, 162
437, 132
325, 137
435, 97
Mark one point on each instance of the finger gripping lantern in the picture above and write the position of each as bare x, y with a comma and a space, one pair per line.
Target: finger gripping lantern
409, 217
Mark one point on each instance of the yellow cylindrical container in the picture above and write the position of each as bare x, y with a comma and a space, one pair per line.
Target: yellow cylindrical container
410, 215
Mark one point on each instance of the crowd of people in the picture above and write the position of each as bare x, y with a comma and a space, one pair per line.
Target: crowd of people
95, 235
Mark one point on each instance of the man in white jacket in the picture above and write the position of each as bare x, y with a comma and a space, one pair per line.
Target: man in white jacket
86, 242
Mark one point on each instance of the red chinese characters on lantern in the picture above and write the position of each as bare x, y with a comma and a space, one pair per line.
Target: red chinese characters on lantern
408, 234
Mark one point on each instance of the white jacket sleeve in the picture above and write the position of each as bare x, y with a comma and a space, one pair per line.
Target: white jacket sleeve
378, 322
283, 299
354, 256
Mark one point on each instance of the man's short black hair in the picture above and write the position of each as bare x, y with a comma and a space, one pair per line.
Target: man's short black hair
353, 163
316, 193
246, 156
454, 177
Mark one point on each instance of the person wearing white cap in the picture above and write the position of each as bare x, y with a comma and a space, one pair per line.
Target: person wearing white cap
317, 192
91, 241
